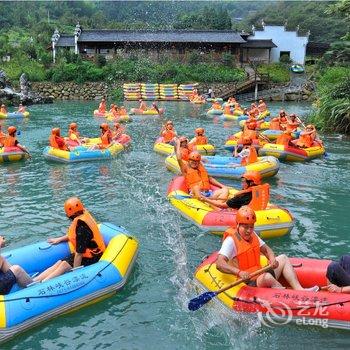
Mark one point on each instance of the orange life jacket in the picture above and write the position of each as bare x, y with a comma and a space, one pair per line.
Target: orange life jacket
3, 110
10, 141
275, 125
201, 140
260, 197
123, 111
197, 176
73, 133
292, 126
254, 112
97, 237
283, 139
143, 106
252, 134
305, 140
106, 139
227, 109
2, 137
102, 107
53, 142
216, 105
248, 253
168, 135
185, 152
252, 158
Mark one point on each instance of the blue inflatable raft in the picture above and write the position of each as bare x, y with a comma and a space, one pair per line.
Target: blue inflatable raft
25, 308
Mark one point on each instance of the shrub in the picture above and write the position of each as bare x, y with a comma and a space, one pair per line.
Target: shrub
100, 61
277, 72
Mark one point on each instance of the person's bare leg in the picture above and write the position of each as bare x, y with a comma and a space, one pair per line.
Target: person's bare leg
23, 279
286, 269
60, 270
268, 281
47, 272
4, 264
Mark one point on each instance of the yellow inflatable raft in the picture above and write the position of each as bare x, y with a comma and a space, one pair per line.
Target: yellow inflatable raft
167, 149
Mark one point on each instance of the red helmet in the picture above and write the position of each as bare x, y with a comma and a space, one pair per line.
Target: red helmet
11, 129
194, 156
183, 139
72, 125
72, 206
253, 176
199, 131
104, 126
245, 215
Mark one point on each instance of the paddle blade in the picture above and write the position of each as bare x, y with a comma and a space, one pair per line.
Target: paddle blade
201, 300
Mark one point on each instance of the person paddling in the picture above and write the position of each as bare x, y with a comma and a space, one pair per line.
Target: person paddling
56, 141
240, 256
11, 140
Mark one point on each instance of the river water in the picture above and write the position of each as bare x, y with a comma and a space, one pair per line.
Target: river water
151, 310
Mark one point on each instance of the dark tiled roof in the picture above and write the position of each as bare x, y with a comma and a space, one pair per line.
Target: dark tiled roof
259, 44
160, 36
65, 40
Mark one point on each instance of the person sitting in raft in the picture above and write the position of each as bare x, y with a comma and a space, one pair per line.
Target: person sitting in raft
2, 137
3, 109
106, 136
83, 235
118, 132
112, 109
227, 109
56, 141
10, 274
262, 107
197, 178
306, 138
199, 139
240, 256
184, 149
250, 179
216, 105
143, 105
102, 106
74, 135
338, 275
123, 111
285, 139
293, 123
242, 142
11, 140
168, 133
254, 111
275, 124
155, 107
282, 117
21, 108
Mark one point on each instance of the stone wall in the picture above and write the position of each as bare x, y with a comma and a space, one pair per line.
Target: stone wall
72, 91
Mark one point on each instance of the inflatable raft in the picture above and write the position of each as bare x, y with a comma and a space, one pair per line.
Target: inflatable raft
231, 142
82, 154
12, 154
271, 222
14, 115
25, 308
151, 112
328, 310
273, 134
120, 119
213, 111
167, 149
292, 154
261, 126
102, 115
229, 167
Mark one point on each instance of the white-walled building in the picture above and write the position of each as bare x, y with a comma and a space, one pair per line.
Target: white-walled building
288, 42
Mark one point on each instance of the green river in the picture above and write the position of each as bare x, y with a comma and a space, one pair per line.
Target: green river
151, 311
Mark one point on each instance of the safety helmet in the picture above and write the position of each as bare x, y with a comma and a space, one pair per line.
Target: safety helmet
252, 176
252, 125
199, 131
72, 125
11, 129
104, 126
73, 206
245, 215
183, 139
195, 156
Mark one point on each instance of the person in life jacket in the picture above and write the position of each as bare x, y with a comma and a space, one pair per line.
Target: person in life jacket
197, 178
102, 106
240, 256
143, 105
254, 111
262, 106
184, 149
282, 117
285, 139
106, 136
216, 105
199, 139
293, 123
3, 109
168, 132
56, 141
74, 135
306, 138
275, 124
21, 108
155, 107
2, 137
242, 143
123, 111
250, 130
118, 132
84, 238
11, 140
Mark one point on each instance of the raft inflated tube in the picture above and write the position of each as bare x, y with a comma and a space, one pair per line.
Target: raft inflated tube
167, 149
102, 115
322, 308
273, 134
14, 115
272, 222
223, 167
213, 111
292, 154
120, 118
25, 308
82, 154
12, 154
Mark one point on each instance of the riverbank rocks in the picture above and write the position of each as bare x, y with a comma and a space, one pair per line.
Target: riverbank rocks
73, 91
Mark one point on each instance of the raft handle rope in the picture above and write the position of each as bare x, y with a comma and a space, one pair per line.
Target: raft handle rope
98, 273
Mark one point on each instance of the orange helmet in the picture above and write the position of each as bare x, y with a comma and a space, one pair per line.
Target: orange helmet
252, 125
245, 215
73, 125
253, 176
73, 206
11, 129
104, 126
199, 131
246, 140
183, 139
194, 156
56, 131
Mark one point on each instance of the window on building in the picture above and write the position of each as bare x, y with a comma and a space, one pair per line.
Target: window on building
285, 54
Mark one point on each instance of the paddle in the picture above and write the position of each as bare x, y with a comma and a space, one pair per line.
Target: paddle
204, 298
264, 137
